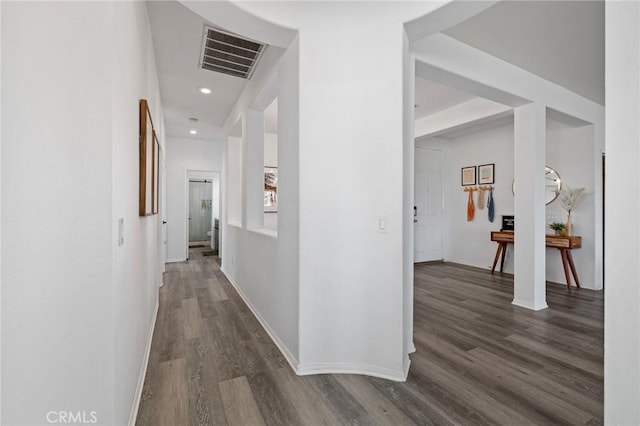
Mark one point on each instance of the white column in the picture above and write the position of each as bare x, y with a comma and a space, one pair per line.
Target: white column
253, 134
622, 227
351, 185
529, 162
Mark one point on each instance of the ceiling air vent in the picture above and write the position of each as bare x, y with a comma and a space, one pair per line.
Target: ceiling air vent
229, 54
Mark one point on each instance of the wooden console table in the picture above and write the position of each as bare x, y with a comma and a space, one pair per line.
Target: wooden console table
563, 244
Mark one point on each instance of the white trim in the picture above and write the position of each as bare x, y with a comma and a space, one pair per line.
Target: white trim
349, 368
291, 359
264, 231
145, 362
529, 305
175, 260
412, 347
407, 364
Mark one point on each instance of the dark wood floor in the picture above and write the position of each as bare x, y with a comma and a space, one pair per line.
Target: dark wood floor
479, 359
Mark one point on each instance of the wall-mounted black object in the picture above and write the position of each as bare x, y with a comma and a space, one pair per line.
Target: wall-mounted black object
508, 223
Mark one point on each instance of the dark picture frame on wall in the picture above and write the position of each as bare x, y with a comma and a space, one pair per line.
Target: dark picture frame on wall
468, 176
149, 149
486, 174
155, 194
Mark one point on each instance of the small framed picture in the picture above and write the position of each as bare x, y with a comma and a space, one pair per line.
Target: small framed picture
468, 176
486, 174
270, 189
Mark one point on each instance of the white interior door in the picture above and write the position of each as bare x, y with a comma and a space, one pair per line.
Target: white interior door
428, 205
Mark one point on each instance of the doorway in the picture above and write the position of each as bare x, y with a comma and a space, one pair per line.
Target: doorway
203, 211
200, 211
427, 212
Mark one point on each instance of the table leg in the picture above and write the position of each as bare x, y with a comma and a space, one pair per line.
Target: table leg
563, 255
495, 260
573, 268
504, 252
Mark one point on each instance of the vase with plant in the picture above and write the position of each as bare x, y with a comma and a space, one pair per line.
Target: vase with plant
559, 227
570, 198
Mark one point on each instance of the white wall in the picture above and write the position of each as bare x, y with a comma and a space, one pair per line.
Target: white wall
271, 150
0, 212
81, 308
622, 293
570, 150
469, 242
262, 262
234, 180
185, 154
366, 333
137, 264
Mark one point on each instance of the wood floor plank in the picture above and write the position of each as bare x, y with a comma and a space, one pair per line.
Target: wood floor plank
379, 410
311, 407
413, 399
192, 318
170, 399
529, 382
205, 401
216, 292
240, 405
275, 408
480, 360
593, 367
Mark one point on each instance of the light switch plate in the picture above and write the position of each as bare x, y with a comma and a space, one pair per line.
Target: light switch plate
382, 224
120, 232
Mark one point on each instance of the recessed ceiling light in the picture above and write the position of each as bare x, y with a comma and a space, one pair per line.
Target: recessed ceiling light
193, 132
205, 90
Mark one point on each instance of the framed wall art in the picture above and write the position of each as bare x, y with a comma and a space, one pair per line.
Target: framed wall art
155, 175
149, 149
468, 176
270, 189
486, 174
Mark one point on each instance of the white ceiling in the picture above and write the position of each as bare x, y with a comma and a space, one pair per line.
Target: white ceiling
561, 41
177, 38
433, 97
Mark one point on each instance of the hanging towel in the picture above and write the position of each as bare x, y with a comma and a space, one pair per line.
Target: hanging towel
480, 198
490, 206
470, 208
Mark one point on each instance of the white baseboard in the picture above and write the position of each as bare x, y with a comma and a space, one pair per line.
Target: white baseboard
407, 365
143, 371
184, 259
346, 368
321, 368
529, 305
291, 359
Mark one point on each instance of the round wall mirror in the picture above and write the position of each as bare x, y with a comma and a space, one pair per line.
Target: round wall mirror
552, 186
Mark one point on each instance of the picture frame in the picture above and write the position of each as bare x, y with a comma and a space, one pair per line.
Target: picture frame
155, 179
486, 174
270, 189
468, 176
149, 162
